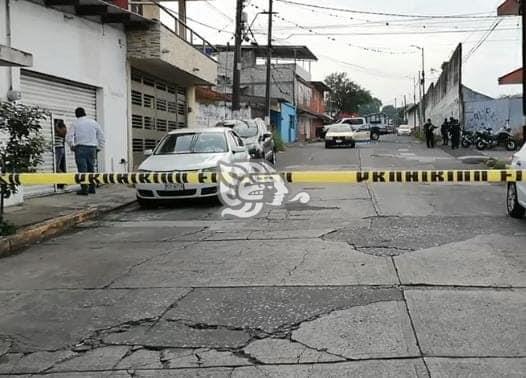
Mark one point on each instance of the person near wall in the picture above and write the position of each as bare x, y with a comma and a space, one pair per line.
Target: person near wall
430, 136
455, 133
85, 137
444, 129
60, 151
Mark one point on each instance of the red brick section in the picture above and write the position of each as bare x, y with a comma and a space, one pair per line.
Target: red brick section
515, 77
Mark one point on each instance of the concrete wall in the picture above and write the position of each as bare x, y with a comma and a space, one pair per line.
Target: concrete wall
63, 45
281, 83
210, 113
4, 71
444, 99
494, 113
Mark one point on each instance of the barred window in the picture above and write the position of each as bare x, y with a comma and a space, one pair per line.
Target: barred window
148, 82
160, 86
181, 107
172, 125
136, 121
136, 77
181, 91
172, 90
172, 107
149, 144
161, 104
181, 125
161, 125
137, 145
148, 123
148, 101
136, 98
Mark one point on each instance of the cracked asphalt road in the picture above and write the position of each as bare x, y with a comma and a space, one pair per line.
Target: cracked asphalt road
380, 280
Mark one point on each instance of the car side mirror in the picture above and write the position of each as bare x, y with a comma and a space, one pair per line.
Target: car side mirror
238, 149
148, 152
267, 135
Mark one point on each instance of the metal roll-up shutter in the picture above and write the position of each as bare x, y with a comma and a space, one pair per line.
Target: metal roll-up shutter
61, 98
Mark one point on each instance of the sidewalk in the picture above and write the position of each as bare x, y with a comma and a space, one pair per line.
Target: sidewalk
43, 217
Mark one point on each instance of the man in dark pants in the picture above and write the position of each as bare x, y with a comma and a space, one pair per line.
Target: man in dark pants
60, 150
444, 130
455, 133
84, 137
430, 137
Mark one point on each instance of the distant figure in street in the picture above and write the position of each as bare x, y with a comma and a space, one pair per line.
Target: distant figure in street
444, 129
60, 150
455, 133
428, 130
85, 137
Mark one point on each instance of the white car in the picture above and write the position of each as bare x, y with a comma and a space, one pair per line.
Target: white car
403, 130
345, 134
189, 150
516, 193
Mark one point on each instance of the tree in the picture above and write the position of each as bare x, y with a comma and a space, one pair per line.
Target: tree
346, 95
371, 107
23, 145
396, 114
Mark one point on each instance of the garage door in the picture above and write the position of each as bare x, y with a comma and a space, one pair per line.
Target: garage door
60, 97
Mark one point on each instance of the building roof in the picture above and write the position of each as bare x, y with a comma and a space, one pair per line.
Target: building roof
321, 86
278, 51
514, 77
509, 8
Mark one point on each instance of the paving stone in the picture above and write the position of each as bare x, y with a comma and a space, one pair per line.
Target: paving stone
476, 367
477, 323
55, 319
363, 369
490, 260
104, 358
188, 358
283, 351
18, 363
178, 335
377, 330
255, 263
186, 373
271, 308
142, 359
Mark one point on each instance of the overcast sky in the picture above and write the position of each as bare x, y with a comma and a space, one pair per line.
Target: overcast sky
388, 72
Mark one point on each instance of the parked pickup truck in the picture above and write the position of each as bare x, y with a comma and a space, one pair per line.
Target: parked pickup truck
359, 122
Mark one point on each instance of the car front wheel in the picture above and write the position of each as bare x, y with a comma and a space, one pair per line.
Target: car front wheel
513, 206
375, 136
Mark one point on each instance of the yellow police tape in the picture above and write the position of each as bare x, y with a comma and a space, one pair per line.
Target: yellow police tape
300, 177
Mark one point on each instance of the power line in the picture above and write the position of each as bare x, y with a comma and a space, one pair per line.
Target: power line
482, 40
346, 10
330, 37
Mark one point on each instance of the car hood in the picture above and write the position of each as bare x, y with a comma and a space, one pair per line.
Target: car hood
182, 162
250, 141
340, 134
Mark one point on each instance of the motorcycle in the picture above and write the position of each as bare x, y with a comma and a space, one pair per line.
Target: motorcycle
490, 139
468, 138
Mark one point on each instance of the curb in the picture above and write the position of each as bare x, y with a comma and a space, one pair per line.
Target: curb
48, 229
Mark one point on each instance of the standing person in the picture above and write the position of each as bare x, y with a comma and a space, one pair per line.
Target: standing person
84, 137
455, 133
60, 150
428, 130
444, 129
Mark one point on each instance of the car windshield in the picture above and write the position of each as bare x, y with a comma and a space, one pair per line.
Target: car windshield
356, 121
192, 143
245, 131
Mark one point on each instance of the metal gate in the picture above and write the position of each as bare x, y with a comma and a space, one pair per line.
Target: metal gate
60, 97
157, 107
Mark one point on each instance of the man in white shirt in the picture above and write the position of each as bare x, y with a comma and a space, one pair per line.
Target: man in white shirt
84, 137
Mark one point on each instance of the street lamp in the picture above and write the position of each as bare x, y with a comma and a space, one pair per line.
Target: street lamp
423, 84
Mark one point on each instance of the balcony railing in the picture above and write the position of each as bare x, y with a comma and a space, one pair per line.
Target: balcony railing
168, 18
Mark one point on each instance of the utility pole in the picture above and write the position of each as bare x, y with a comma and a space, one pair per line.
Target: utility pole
423, 85
405, 108
236, 103
269, 67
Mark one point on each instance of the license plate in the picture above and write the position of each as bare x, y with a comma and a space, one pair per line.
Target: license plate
173, 186
338, 140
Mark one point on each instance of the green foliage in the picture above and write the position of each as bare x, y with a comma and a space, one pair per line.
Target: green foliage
278, 142
346, 95
24, 145
370, 108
